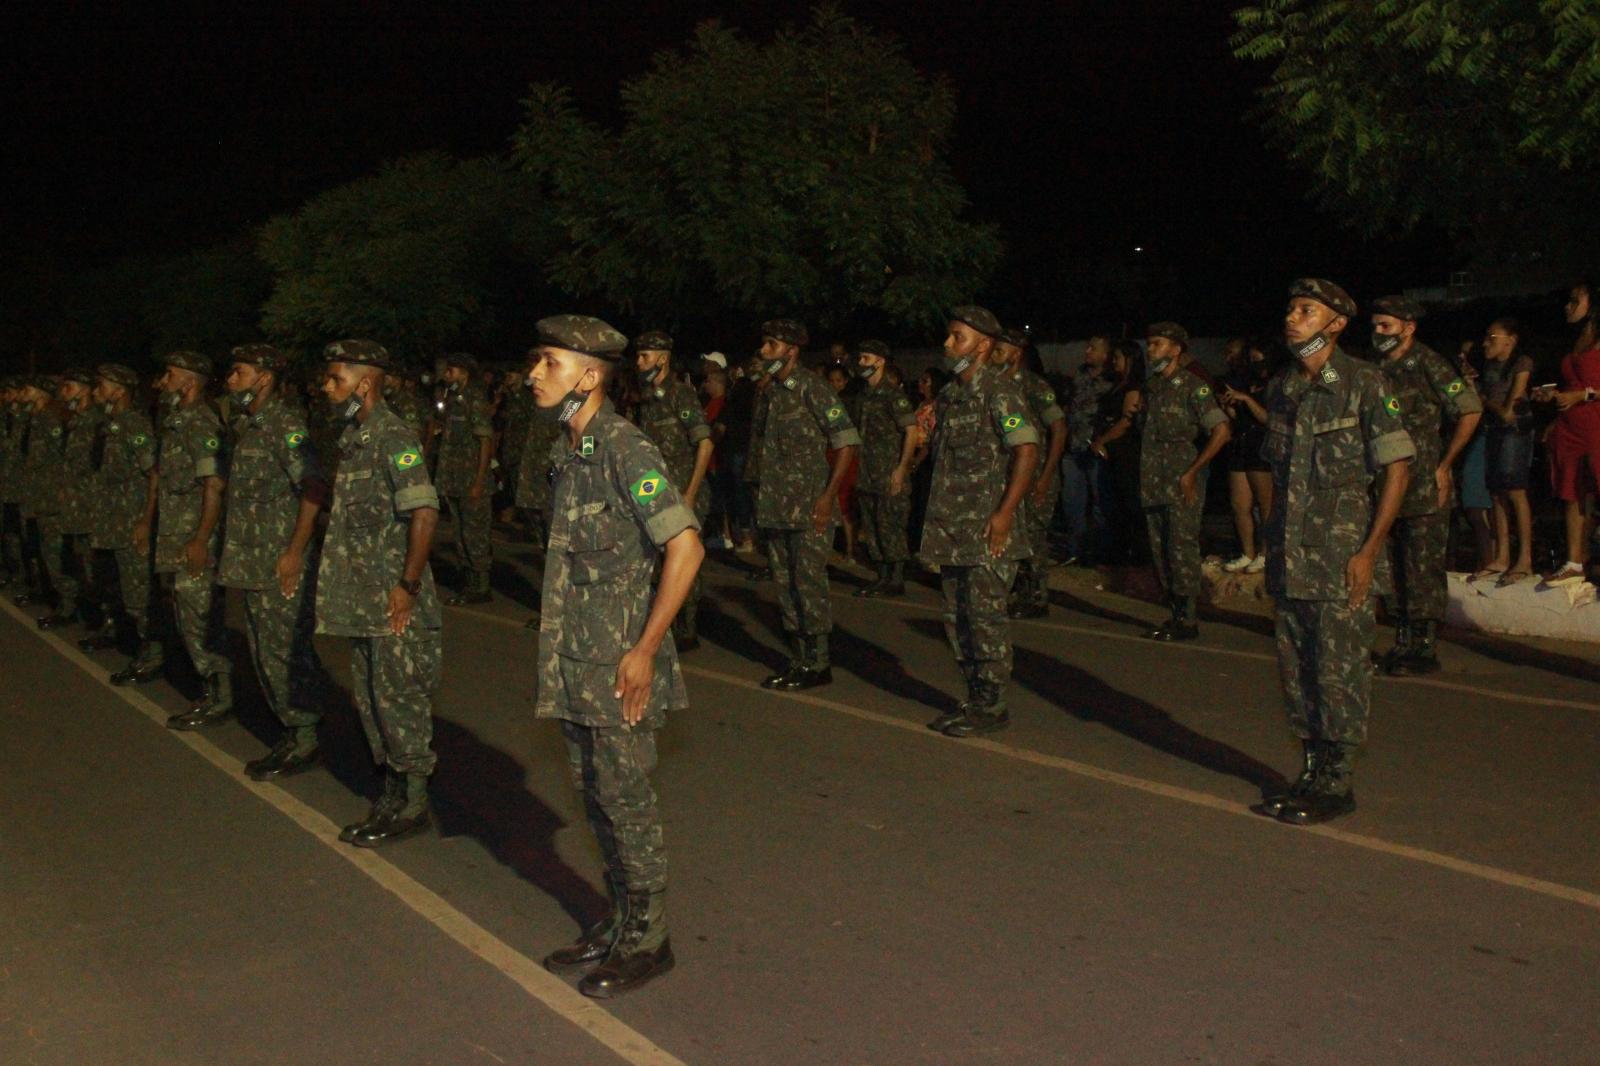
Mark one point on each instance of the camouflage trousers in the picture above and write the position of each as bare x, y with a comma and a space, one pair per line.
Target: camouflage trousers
393, 680
882, 528
10, 538
62, 561
1175, 546
195, 608
1417, 549
799, 560
279, 631
1324, 649
1039, 519
611, 767
686, 625
133, 584
472, 519
975, 619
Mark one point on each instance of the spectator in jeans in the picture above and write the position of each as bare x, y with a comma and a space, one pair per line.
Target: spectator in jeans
1082, 469
1116, 443
1574, 440
1249, 475
1508, 451
731, 432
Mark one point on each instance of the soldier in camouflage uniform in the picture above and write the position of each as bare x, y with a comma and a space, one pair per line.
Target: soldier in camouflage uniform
1178, 408
1332, 431
607, 666
402, 391
12, 428
984, 453
515, 414
188, 525
1430, 390
76, 597
275, 490
374, 586
1030, 594
800, 420
883, 482
669, 414
465, 434
41, 503
126, 482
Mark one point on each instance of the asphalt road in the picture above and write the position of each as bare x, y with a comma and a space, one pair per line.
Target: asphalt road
847, 887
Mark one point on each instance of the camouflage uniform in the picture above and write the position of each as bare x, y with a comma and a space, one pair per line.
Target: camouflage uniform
79, 502
1043, 412
669, 414
190, 452
1429, 390
1178, 409
403, 395
533, 474
1327, 439
977, 424
13, 427
41, 502
123, 484
466, 421
516, 417
800, 421
885, 415
381, 480
270, 462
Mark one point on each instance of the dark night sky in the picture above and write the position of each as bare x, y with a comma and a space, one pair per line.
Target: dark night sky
1085, 128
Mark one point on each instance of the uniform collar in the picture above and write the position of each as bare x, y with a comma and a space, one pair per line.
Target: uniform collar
591, 440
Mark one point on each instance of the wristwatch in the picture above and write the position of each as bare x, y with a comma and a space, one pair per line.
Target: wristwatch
413, 587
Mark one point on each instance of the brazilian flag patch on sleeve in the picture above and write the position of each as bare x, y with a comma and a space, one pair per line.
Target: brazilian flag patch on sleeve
1392, 405
1011, 423
294, 438
645, 489
405, 460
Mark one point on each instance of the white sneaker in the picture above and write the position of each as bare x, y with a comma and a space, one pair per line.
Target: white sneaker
1258, 564
1234, 566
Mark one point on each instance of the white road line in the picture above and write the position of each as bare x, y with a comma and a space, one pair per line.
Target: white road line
1508, 878
554, 993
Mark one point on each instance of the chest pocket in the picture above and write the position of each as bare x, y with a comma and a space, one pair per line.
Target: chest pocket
252, 476
1338, 457
1275, 449
364, 499
594, 543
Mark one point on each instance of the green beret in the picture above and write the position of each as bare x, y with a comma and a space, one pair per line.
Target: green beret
787, 330
363, 353
582, 334
1170, 330
466, 362
1406, 310
979, 318
1325, 293
1014, 337
873, 347
193, 362
264, 356
654, 340
118, 374
80, 374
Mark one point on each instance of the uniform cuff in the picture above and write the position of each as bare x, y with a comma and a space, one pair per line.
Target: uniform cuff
1212, 418
1051, 415
1025, 435
664, 525
1468, 403
207, 467
414, 496
907, 420
699, 433
483, 431
1391, 448
844, 438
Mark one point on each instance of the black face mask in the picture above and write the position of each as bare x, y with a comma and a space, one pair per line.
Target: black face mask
348, 413
563, 412
773, 367
649, 376
866, 371
1313, 344
171, 399
957, 364
244, 398
1384, 343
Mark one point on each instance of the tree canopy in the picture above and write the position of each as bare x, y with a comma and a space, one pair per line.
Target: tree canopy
802, 176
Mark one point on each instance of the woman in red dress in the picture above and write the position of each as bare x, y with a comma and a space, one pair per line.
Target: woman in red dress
1574, 439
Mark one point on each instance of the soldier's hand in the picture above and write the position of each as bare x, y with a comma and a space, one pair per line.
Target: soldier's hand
195, 557
997, 531
400, 604
1190, 486
1443, 476
635, 674
288, 569
897, 481
1358, 578
821, 514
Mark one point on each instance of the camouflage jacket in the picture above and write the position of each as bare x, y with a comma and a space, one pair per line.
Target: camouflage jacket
123, 479
533, 469
758, 432
612, 508
886, 414
381, 480
1177, 409
464, 422
1327, 439
802, 420
13, 428
516, 416
1043, 410
1083, 407
41, 463
978, 422
80, 503
1429, 389
669, 414
191, 451
271, 458
404, 401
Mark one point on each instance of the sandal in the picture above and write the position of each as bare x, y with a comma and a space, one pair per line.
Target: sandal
1484, 573
1511, 577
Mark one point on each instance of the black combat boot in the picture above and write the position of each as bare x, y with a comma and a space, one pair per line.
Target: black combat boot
296, 752
894, 582
1331, 794
797, 665
388, 801
1403, 639
103, 638
1160, 632
1032, 599
642, 952
596, 942
1423, 657
1274, 800
950, 717
1181, 626
476, 591
65, 614
810, 674
409, 817
144, 668
986, 713
216, 705
874, 587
